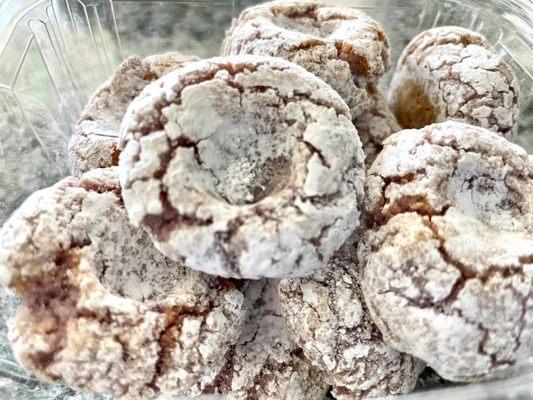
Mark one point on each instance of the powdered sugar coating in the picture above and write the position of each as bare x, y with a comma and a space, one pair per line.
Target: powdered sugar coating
88, 152
167, 336
452, 292
454, 73
242, 166
340, 45
266, 363
94, 144
328, 317
452, 164
449, 258
375, 125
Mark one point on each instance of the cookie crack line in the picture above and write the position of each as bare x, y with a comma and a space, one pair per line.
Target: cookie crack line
266, 363
92, 328
405, 202
317, 241
309, 156
453, 77
466, 272
94, 144
341, 340
448, 243
167, 340
246, 36
446, 305
463, 41
184, 142
455, 73
358, 64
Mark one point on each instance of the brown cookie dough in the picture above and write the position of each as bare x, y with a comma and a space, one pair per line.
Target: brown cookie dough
266, 364
328, 317
94, 144
454, 73
340, 45
375, 125
449, 258
66, 251
242, 166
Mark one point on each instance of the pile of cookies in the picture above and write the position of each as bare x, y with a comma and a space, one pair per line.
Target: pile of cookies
259, 226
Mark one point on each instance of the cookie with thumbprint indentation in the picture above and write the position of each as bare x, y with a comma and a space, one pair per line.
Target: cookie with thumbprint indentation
94, 144
102, 310
450, 244
242, 167
343, 46
453, 73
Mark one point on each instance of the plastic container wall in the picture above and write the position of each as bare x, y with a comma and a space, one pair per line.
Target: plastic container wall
55, 53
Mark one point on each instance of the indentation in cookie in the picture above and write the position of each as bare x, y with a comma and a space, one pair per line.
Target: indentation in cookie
452, 73
413, 107
228, 159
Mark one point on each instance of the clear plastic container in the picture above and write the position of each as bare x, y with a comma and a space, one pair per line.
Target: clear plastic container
54, 53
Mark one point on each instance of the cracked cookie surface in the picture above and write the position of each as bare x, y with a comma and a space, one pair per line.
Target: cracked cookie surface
342, 46
454, 73
449, 256
242, 166
94, 144
266, 363
102, 310
375, 124
328, 317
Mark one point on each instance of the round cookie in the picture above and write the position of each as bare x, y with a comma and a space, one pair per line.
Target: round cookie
454, 73
341, 45
94, 144
328, 317
451, 245
266, 363
375, 125
243, 167
66, 251
452, 164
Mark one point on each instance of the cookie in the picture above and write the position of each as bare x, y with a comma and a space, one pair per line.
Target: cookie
375, 125
94, 144
327, 316
342, 46
243, 167
453, 73
449, 256
102, 310
452, 164
266, 363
